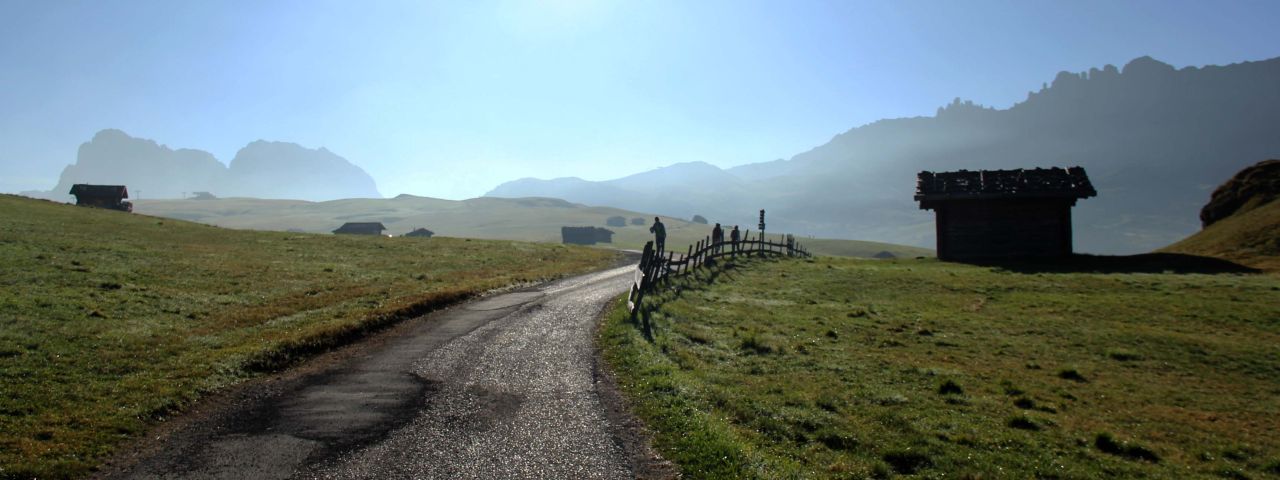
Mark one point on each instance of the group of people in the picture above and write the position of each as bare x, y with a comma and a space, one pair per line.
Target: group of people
717, 236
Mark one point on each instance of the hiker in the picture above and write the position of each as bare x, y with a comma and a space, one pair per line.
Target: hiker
717, 237
659, 235
734, 236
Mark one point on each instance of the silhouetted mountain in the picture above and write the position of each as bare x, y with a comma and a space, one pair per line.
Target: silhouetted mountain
675, 190
286, 170
148, 168
1155, 141
261, 169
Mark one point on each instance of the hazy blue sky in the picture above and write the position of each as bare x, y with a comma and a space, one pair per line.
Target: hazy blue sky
448, 99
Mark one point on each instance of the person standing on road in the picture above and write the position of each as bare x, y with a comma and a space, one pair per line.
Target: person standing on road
734, 236
659, 235
717, 237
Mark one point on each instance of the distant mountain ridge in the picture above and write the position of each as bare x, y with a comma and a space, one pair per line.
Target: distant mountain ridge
261, 169
1154, 139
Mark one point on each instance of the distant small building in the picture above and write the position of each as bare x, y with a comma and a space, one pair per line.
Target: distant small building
360, 228
420, 232
586, 235
1001, 214
102, 196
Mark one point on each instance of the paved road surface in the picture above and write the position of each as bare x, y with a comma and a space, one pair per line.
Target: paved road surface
504, 387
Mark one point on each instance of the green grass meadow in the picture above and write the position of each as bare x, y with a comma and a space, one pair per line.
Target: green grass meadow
111, 321
845, 368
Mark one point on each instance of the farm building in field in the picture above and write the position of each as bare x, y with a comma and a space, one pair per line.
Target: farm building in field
586, 235
420, 232
1003, 214
102, 196
361, 228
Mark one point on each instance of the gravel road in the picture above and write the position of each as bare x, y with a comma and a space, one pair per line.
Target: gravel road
504, 387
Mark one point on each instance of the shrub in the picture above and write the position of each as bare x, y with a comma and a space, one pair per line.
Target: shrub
699, 219
1023, 423
907, 462
1123, 355
1072, 374
950, 387
1108, 444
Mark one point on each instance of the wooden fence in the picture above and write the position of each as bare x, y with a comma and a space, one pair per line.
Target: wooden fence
658, 267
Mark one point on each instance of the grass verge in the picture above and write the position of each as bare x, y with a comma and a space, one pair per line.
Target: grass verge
110, 322
840, 368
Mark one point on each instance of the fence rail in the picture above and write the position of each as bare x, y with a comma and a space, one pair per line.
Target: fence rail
658, 267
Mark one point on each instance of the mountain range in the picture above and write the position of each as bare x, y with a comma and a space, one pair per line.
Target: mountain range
261, 169
1155, 141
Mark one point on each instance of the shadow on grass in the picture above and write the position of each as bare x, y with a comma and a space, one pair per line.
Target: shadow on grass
672, 287
1142, 263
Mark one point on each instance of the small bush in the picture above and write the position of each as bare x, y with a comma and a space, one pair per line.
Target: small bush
829, 402
1010, 389
1072, 374
1108, 444
1023, 423
950, 387
1272, 467
753, 344
838, 441
1122, 355
907, 462
1025, 403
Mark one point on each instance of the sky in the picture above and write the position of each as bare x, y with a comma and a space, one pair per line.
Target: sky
449, 99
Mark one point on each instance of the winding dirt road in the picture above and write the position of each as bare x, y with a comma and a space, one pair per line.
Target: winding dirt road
504, 387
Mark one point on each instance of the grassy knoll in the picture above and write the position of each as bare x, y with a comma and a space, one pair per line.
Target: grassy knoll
1251, 237
110, 321
842, 368
863, 249
525, 219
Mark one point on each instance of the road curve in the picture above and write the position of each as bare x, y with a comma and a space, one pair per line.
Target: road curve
502, 387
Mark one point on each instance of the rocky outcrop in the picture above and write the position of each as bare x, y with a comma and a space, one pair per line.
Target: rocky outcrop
1253, 187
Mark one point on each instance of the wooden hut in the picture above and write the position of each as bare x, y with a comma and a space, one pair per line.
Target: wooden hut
360, 228
586, 235
102, 196
1003, 214
420, 232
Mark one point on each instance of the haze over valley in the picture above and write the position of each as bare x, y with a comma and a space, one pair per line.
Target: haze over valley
1155, 140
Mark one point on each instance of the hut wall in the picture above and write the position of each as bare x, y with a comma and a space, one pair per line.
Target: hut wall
993, 229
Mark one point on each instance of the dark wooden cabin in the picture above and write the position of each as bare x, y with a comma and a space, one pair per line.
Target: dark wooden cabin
586, 235
1003, 214
420, 232
360, 228
102, 196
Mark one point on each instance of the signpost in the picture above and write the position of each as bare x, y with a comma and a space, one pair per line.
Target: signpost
761, 232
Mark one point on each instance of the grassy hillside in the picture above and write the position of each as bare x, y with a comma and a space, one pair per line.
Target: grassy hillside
862, 249
841, 368
1251, 238
527, 219
109, 320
